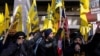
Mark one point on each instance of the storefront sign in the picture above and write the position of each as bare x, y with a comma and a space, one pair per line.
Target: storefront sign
95, 6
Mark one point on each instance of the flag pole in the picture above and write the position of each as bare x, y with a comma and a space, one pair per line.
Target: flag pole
6, 34
60, 23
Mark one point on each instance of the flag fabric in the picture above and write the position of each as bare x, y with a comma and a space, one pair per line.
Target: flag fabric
49, 9
63, 4
45, 26
6, 11
84, 6
62, 21
56, 15
48, 22
84, 27
18, 18
53, 4
2, 24
29, 28
56, 20
33, 18
33, 14
83, 10
2, 18
58, 3
49, 17
56, 26
58, 10
7, 17
19, 26
65, 19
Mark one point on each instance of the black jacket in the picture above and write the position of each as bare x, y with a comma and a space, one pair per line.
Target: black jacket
92, 48
67, 48
31, 44
1, 46
49, 48
14, 50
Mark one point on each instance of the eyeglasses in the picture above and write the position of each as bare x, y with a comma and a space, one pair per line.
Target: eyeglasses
20, 37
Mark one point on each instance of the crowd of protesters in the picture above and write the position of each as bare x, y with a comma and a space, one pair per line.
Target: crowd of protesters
45, 43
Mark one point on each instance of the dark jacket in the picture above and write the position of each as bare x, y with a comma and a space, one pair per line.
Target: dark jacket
31, 44
7, 42
14, 50
49, 48
92, 48
1, 46
67, 48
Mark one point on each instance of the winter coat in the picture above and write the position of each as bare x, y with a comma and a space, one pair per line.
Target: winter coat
1, 46
31, 44
49, 48
67, 48
14, 50
92, 48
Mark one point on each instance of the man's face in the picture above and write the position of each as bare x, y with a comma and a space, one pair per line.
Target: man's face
20, 39
51, 35
78, 40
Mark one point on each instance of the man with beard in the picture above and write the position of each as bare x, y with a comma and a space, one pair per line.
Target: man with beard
48, 45
10, 38
15, 48
78, 45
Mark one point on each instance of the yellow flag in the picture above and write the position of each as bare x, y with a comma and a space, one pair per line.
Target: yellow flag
53, 4
48, 22
84, 27
45, 26
49, 9
56, 16
63, 4
18, 18
29, 28
85, 30
84, 6
84, 21
19, 27
1, 18
33, 14
58, 3
7, 17
50, 18
6, 11
2, 24
56, 26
